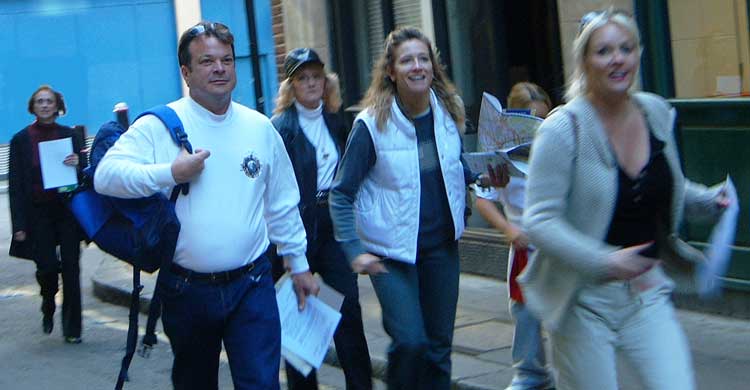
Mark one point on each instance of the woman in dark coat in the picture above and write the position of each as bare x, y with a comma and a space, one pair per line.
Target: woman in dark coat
40, 219
314, 136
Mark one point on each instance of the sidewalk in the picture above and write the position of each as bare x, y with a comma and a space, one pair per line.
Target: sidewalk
483, 335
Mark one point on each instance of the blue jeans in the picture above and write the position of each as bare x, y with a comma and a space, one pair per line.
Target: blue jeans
327, 259
527, 351
199, 315
418, 302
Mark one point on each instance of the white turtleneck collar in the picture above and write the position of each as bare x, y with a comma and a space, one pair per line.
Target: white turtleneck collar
307, 113
207, 115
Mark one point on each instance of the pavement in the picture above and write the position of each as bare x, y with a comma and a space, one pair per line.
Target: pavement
484, 332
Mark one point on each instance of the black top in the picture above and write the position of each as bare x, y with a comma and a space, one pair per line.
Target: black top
642, 202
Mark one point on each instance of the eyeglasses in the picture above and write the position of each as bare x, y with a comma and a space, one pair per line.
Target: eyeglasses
590, 16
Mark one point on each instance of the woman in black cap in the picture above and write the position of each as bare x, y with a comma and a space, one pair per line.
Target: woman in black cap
314, 136
40, 219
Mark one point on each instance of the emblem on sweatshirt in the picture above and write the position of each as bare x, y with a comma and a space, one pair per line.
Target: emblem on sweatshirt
251, 165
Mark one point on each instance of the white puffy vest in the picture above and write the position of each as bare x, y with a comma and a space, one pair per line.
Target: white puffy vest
386, 209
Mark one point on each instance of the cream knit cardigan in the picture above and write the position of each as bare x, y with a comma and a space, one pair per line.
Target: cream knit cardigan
570, 202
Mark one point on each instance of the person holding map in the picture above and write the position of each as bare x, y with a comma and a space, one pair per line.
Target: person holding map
398, 202
604, 198
527, 350
40, 219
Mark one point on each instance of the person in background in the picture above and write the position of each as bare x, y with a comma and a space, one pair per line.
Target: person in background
41, 221
527, 350
398, 201
306, 116
604, 198
218, 290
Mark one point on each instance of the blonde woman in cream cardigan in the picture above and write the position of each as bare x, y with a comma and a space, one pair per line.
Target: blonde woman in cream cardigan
604, 196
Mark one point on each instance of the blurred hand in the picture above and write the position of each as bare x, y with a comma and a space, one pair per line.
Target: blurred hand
369, 264
499, 176
627, 263
304, 285
517, 237
188, 166
722, 199
71, 160
19, 236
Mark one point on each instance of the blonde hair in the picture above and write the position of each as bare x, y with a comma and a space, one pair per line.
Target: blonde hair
331, 94
524, 93
379, 96
596, 20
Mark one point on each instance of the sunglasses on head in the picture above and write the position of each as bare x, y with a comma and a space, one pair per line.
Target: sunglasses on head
590, 16
202, 28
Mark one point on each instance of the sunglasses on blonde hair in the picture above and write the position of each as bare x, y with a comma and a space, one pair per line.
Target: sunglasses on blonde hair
591, 16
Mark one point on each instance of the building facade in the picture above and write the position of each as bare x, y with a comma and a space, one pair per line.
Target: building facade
98, 53
695, 52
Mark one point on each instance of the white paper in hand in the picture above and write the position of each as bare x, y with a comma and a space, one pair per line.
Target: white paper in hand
306, 334
54, 172
719, 251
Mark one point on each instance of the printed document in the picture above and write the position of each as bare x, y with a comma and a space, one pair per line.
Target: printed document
515, 157
719, 251
306, 334
54, 172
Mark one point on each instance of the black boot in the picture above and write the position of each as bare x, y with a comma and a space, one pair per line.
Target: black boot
48, 311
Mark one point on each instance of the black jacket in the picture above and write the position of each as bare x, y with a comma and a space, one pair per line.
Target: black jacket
302, 154
20, 192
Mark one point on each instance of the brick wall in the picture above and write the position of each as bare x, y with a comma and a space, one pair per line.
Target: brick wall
278, 36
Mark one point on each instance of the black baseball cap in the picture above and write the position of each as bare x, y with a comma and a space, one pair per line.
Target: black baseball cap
298, 57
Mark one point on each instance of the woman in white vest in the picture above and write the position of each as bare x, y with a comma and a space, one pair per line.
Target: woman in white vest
604, 197
398, 204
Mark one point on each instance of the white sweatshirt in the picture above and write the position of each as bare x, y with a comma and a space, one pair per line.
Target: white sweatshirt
232, 209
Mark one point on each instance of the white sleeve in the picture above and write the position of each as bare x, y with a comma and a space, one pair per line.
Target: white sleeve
489, 193
130, 168
285, 228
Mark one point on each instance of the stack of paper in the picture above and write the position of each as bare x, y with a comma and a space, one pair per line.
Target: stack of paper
51, 155
306, 334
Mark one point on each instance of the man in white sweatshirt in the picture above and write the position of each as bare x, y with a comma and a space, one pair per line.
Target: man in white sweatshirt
242, 196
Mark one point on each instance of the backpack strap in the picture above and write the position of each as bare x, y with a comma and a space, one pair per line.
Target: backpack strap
173, 123
135, 305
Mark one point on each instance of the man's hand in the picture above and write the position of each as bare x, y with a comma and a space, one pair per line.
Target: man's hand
19, 236
369, 264
188, 166
304, 285
71, 160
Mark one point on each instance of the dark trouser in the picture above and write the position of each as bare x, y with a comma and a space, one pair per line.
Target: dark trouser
198, 315
326, 258
419, 311
55, 224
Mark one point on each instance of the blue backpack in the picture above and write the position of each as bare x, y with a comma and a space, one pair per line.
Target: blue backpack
142, 231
